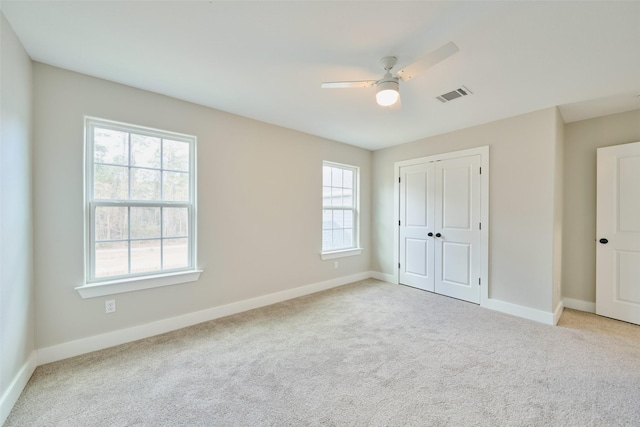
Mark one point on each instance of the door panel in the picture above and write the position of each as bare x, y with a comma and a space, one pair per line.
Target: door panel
417, 254
629, 196
456, 208
456, 267
416, 197
628, 269
457, 219
416, 221
618, 223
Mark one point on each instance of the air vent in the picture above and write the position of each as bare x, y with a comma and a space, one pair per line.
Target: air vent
454, 94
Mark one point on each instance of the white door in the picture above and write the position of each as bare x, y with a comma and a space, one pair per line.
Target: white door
416, 222
618, 233
457, 227
440, 227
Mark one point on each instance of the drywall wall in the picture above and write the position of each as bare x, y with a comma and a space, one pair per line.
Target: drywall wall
522, 152
259, 206
579, 250
16, 284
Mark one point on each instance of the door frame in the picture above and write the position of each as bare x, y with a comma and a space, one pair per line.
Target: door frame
484, 210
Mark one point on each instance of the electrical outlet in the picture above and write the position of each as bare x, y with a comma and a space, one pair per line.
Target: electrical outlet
110, 306
335, 264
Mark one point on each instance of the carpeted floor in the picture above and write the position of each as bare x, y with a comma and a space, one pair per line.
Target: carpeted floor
365, 354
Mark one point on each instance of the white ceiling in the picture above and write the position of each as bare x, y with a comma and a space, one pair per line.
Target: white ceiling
265, 60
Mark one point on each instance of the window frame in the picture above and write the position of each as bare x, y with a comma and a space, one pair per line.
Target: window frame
355, 249
99, 286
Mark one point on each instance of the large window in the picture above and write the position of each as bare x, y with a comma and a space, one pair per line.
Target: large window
140, 195
339, 209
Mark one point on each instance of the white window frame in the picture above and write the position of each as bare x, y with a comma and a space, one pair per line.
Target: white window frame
93, 286
355, 249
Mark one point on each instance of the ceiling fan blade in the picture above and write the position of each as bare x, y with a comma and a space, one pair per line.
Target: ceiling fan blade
427, 61
344, 85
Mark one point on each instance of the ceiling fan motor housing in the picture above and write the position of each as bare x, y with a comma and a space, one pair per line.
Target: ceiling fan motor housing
388, 83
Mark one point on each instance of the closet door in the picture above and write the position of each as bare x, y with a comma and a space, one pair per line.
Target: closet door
457, 228
416, 223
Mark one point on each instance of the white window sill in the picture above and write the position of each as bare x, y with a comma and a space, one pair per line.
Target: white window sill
93, 290
340, 254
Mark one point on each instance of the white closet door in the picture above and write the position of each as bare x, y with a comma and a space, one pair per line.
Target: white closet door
618, 233
416, 222
440, 227
457, 228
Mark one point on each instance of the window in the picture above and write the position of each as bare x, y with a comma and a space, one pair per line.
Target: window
140, 204
339, 210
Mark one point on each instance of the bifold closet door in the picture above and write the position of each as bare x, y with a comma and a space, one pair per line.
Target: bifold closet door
440, 227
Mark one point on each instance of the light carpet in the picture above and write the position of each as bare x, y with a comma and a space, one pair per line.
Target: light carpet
366, 354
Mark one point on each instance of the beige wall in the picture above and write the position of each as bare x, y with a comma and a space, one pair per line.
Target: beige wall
16, 284
581, 141
523, 172
259, 206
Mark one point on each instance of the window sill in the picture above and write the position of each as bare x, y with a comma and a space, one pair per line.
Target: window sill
340, 254
136, 284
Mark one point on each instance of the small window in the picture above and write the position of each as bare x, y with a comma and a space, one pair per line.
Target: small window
140, 202
339, 208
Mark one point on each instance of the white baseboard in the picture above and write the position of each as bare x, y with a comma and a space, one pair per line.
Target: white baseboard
122, 336
578, 304
382, 276
520, 311
12, 393
110, 339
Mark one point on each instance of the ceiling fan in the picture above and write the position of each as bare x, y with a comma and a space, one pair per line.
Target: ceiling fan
388, 87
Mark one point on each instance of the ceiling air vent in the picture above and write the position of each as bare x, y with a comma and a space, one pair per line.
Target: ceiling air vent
450, 96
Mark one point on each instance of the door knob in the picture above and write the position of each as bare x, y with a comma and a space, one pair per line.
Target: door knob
430, 234
604, 241
438, 235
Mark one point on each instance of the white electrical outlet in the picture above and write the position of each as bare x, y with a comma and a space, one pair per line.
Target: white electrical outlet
335, 264
110, 306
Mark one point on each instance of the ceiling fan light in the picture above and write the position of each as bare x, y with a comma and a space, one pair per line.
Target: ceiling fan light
388, 93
